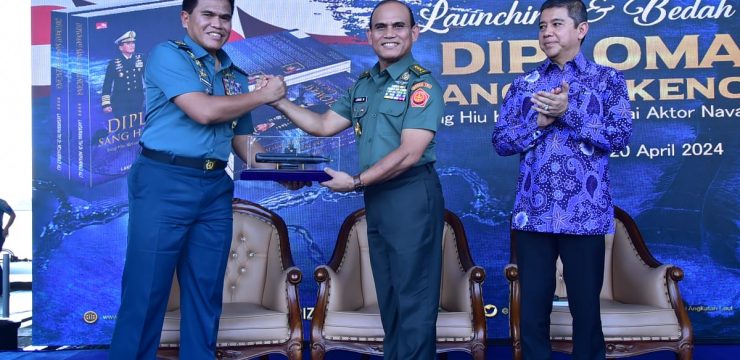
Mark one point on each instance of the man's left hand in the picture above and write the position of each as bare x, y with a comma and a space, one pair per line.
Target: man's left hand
553, 103
340, 182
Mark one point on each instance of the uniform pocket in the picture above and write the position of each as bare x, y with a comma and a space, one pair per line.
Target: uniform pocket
392, 107
391, 112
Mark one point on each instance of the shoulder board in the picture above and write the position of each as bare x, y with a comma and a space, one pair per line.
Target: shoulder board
180, 44
418, 70
364, 75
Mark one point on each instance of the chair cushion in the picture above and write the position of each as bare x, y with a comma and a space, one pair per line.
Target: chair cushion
364, 325
626, 322
240, 324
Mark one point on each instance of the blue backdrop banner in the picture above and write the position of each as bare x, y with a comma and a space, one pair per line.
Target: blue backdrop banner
679, 177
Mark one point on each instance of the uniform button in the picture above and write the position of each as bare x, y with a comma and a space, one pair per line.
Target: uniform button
242, 270
243, 238
251, 254
234, 255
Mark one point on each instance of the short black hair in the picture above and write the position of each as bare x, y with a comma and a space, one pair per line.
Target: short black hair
576, 9
411, 13
189, 5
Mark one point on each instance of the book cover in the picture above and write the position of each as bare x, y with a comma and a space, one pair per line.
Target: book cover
292, 54
318, 95
106, 90
84, 224
59, 92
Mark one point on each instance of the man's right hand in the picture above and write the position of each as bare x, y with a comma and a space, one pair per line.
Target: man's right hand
273, 88
545, 120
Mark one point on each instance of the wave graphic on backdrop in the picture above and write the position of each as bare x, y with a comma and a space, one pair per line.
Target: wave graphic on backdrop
70, 216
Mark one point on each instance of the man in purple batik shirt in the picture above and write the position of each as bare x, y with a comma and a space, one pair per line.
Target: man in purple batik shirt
564, 119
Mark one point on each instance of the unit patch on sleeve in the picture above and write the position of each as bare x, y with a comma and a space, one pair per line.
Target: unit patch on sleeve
419, 98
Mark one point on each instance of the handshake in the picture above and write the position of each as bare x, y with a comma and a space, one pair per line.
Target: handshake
271, 88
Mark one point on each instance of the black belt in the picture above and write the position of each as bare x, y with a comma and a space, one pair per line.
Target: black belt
191, 162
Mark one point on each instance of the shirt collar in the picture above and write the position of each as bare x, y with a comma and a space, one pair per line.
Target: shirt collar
396, 69
579, 62
200, 52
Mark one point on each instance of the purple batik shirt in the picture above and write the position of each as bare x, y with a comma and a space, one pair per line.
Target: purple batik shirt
563, 185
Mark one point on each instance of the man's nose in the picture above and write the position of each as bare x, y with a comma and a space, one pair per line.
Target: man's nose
389, 32
217, 22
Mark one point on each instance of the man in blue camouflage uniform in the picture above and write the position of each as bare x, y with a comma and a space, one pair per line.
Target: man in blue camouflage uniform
180, 215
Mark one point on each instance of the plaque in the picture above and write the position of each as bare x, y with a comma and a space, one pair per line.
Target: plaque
299, 158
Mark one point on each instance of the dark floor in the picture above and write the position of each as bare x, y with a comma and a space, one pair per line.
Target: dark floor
701, 352
20, 312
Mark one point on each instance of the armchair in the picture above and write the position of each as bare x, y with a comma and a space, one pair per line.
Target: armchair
347, 316
261, 314
641, 307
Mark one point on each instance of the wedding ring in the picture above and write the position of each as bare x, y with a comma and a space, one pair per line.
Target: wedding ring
546, 107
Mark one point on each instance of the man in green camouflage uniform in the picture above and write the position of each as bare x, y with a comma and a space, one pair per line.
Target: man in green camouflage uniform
395, 109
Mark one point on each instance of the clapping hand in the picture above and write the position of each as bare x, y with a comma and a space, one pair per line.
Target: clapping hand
551, 105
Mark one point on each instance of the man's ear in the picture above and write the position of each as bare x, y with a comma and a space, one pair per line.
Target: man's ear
184, 17
582, 30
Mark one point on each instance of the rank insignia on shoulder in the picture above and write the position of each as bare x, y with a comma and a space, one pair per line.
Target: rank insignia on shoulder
418, 70
180, 44
419, 98
359, 99
421, 85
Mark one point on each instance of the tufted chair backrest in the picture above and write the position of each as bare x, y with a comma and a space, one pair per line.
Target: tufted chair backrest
456, 258
354, 266
257, 259
259, 254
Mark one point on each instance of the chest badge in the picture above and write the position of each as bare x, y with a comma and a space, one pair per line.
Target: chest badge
396, 92
358, 129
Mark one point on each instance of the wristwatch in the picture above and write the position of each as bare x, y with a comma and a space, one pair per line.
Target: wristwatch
357, 184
